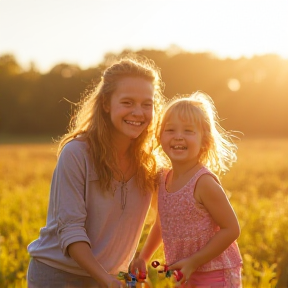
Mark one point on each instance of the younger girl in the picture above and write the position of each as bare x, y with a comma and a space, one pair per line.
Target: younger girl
102, 185
199, 227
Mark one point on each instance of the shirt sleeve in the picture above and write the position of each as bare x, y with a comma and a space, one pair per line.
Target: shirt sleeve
69, 187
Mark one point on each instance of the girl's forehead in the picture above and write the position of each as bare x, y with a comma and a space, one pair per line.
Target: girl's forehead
182, 113
178, 117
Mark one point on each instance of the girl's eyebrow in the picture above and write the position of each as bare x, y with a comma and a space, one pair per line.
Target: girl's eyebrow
124, 97
185, 125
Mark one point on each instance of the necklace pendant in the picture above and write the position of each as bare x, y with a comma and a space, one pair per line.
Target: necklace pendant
124, 193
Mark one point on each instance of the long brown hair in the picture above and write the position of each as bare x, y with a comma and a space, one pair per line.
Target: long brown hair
92, 123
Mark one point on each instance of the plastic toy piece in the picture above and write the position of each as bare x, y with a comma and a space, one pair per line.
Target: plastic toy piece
130, 279
168, 273
142, 282
141, 276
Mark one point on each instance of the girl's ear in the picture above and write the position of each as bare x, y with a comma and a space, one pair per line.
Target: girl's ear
106, 107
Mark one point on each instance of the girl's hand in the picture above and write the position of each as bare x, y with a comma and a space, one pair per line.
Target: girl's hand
114, 283
187, 266
139, 265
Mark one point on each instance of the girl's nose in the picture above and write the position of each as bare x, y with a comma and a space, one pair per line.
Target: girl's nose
178, 137
137, 111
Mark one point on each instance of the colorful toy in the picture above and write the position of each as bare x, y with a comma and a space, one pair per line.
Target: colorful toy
168, 273
142, 283
132, 281
129, 279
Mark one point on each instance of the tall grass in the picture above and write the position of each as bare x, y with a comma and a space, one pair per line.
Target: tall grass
257, 186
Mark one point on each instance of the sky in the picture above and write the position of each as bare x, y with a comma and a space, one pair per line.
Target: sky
81, 32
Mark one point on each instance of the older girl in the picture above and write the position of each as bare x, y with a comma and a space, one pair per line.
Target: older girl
102, 185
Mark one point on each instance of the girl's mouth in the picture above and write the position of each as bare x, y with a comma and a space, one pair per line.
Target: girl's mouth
135, 123
179, 147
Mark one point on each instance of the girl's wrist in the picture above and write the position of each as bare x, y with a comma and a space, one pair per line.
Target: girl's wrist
111, 281
143, 257
195, 261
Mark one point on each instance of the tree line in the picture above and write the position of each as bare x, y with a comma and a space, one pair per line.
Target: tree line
251, 94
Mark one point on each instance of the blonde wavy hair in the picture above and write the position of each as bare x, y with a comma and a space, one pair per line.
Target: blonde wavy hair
92, 124
218, 151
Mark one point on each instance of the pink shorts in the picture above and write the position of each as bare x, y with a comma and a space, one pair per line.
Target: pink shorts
226, 278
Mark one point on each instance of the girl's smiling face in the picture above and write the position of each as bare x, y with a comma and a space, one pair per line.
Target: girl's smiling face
131, 107
181, 140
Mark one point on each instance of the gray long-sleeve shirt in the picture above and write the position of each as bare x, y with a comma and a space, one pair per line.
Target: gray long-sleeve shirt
78, 211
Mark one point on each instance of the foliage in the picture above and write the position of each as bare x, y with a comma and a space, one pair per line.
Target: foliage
257, 186
255, 105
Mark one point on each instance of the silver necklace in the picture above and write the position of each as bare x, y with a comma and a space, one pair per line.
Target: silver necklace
123, 187
124, 192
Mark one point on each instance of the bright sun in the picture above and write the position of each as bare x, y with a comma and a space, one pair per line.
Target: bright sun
84, 33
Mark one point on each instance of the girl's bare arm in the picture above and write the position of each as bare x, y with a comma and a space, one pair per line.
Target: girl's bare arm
153, 241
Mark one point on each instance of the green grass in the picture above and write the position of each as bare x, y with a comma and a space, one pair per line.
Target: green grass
257, 186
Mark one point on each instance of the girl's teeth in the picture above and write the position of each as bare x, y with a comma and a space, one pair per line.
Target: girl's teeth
179, 147
133, 123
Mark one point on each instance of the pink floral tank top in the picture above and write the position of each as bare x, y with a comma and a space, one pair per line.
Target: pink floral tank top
187, 226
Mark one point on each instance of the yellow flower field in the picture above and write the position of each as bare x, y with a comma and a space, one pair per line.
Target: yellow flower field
257, 186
